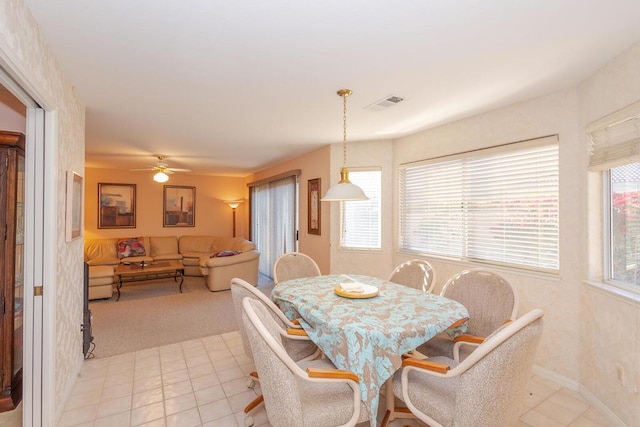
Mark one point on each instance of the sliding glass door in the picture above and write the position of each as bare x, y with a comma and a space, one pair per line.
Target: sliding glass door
274, 218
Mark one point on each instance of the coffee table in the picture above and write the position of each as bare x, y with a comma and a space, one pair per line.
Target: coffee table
137, 272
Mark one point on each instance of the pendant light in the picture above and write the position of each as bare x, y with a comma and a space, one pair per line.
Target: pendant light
344, 190
161, 177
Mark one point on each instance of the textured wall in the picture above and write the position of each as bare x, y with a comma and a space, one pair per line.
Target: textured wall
610, 332
557, 295
22, 45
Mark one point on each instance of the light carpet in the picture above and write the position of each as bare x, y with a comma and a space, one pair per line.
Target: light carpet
155, 313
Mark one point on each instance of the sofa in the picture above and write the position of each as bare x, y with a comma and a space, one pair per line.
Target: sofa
217, 259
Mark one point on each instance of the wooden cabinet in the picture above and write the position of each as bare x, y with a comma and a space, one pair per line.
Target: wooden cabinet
12, 193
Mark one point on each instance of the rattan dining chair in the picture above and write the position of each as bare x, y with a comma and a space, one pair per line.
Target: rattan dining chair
296, 394
415, 273
294, 265
296, 344
490, 300
485, 390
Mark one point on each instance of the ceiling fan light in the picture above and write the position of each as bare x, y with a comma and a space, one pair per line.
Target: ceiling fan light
161, 177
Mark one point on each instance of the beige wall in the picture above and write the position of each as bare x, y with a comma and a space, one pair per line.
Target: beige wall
23, 47
12, 112
374, 262
610, 321
312, 165
212, 216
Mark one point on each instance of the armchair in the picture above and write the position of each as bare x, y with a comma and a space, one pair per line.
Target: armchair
311, 393
484, 390
294, 265
490, 300
415, 273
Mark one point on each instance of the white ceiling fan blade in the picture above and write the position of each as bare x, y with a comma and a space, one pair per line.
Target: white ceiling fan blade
142, 169
179, 170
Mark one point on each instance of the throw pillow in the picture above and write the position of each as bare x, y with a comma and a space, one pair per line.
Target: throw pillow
129, 247
227, 253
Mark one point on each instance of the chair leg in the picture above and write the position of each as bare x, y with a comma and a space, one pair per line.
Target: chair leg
251, 382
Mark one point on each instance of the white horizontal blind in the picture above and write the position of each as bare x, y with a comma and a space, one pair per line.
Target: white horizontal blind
615, 139
431, 208
361, 222
491, 205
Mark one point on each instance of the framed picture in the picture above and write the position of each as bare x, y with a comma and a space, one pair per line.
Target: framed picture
313, 225
179, 206
73, 221
116, 205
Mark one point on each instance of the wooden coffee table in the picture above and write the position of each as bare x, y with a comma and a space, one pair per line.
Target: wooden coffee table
136, 272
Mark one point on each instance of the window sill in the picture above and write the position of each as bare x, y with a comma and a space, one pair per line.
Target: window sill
622, 294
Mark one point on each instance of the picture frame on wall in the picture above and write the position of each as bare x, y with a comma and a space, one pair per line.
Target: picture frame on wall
74, 195
116, 205
313, 223
179, 206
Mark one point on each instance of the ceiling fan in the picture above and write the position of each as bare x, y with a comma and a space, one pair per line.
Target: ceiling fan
162, 170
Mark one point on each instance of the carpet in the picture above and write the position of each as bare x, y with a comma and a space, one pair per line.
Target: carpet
154, 313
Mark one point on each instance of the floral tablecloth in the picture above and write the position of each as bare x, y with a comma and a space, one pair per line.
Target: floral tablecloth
366, 336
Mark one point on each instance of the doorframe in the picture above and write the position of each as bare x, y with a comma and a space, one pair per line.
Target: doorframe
39, 397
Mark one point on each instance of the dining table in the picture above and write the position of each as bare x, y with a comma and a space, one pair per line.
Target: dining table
367, 332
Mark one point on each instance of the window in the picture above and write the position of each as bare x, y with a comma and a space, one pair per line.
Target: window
361, 223
615, 151
624, 224
498, 205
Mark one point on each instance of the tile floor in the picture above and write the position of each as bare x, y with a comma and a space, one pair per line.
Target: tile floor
203, 383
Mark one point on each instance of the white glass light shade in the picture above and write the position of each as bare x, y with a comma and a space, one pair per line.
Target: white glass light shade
344, 190
161, 177
233, 203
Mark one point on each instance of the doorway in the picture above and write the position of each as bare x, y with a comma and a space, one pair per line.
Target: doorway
273, 205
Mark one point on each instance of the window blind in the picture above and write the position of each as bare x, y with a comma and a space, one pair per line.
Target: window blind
496, 205
615, 139
361, 222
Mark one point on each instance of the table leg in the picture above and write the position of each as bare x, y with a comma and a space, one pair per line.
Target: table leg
118, 286
181, 272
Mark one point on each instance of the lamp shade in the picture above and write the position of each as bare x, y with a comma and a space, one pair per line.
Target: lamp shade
344, 190
161, 177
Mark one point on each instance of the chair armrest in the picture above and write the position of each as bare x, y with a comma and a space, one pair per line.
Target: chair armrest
336, 374
472, 339
297, 332
440, 368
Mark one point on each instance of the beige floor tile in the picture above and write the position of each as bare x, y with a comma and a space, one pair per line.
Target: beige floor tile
234, 387
79, 416
147, 397
215, 410
114, 406
210, 394
239, 401
223, 364
200, 370
179, 404
595, 415
177, 389
534, 418
230, 374
147, 413
189, 418
117, 420
144, 384
558, 413
205, 381
586, 422
174, 377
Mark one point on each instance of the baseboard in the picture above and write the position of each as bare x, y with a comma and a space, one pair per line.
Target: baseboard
573, 385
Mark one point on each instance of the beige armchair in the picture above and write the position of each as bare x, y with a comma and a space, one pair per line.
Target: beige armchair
312, 393
294, 265
485, 390
297, 344
490, 301
415, 273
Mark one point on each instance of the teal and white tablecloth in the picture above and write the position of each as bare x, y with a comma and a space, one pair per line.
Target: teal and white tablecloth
366, 336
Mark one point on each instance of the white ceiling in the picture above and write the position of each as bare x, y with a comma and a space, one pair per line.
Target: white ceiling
230, 87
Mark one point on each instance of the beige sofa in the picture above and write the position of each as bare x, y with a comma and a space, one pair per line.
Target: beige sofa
201, 257
198, 254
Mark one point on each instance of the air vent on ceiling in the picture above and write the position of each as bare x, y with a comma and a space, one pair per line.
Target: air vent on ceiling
384, 103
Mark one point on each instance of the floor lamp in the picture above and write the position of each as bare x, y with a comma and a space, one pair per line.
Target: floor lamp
233, 204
